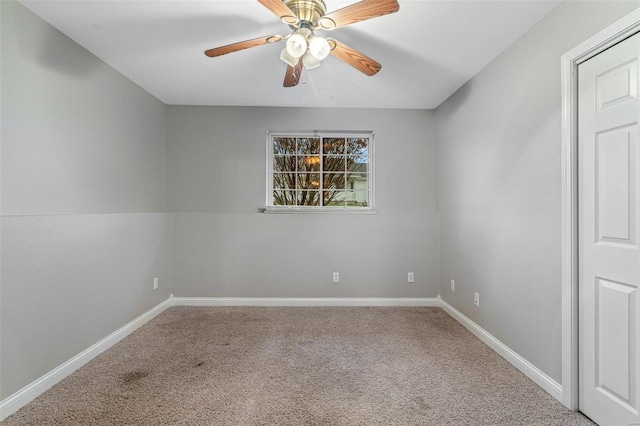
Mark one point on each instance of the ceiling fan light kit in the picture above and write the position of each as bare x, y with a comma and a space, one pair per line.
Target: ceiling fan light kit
296, 45
310, 62
319, 48
287, 58
312, 50
302, 46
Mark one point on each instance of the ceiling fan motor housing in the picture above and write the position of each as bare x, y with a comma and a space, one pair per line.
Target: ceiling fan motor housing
308, 12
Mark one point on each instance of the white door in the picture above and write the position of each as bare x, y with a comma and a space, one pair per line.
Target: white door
609, 258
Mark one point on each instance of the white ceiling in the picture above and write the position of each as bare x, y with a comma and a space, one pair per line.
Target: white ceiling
427, 50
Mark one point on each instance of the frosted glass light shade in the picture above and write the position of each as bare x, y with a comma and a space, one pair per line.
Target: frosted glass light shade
310, 62
287, 58
319, 48
296, 45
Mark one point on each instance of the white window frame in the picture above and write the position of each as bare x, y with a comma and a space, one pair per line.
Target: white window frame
369, 209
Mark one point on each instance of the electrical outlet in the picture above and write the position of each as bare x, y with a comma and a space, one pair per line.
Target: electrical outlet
453, 285
476, 299
410, 277
336, 277
155, 283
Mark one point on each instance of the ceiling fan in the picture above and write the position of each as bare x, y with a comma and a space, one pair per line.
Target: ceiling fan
303, 47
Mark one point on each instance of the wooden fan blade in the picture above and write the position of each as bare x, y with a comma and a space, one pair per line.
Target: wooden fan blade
361, 11
282, 11
354, 58
230, 48
292, 77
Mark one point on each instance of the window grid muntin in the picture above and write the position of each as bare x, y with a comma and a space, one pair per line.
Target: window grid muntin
348, 196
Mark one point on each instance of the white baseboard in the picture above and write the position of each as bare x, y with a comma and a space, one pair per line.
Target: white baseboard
305, 301
30, 392
528, 369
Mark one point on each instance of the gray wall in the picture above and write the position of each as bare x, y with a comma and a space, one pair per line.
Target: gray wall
222, 246
83, 199
499, 185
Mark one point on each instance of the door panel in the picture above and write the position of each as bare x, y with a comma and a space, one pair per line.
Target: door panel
615, 180
616, 360
617, 86
609, 258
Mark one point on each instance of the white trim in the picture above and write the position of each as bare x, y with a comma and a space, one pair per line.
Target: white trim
305, 301
569, 63
30, 392
316, 210
368, 134
528, 369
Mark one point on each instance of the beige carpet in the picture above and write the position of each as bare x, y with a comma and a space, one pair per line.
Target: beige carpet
298, 366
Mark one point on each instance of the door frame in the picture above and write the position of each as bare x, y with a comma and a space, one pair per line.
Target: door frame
611, 35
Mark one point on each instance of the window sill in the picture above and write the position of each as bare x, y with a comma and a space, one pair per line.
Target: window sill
318, 210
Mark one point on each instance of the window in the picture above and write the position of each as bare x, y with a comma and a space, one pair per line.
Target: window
320, 171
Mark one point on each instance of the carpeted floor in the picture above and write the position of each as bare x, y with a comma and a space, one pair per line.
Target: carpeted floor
297, 366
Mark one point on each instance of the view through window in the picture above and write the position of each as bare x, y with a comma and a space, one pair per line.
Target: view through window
321, 170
